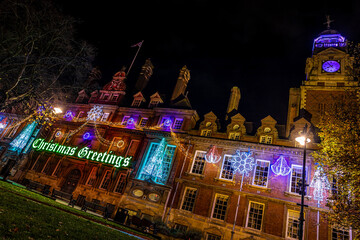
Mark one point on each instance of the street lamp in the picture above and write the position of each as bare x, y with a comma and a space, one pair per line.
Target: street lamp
302, 140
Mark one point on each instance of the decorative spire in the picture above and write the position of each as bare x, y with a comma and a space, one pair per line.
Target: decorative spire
328, 21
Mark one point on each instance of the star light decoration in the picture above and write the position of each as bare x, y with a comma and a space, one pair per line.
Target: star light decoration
320, 183
212, 156
242, 162
95, 113
280, 167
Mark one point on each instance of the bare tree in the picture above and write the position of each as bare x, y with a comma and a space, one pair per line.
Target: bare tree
41, 60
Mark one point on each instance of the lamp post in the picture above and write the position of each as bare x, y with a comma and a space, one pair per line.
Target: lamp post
302, 140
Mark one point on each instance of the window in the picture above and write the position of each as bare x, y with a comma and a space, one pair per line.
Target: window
340, 84
50, 166
106, 180
104, 117
261, 173
106, 96
296, 178
121, 183
339, 234
178, 123
292, 224
226, 169
334, 187
234, 136
180, 227
143, 122
210, 236
92, 177
321, 108
220, 206
266, 139
124, 120
199, 162
153, 103
189, 199
255, 215
205, 133
114, 98
157, 169
40, 162
81, 114
136, 103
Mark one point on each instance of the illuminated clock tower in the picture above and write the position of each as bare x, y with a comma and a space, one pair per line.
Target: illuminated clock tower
329, 72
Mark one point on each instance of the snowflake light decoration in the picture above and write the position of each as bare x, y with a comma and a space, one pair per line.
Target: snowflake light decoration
280, 167
95, 113
320, 183
242, 162
212, 156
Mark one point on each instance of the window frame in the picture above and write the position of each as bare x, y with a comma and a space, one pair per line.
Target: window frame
287, 223
291, 175
193, 163
184, 196
125, 119
103, 179
222, 168
262, 215
267, 176
178, 127
141, 120
118, 182
214, 204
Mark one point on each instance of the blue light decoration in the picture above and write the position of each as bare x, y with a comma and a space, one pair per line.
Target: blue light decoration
329, 38
242, 162
280, 167
87, 136
3, 122
130, 122
69, 115
157, 164
320, 183
25, 138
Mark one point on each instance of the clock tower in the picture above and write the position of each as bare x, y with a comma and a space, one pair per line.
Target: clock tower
328, 74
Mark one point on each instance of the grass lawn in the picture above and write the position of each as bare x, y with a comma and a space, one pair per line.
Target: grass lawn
21, 218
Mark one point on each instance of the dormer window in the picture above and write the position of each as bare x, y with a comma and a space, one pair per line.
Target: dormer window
114, 98
154, 103
143, 122
206, 133
136, 103
266, 139
234, 136
106, 97
104, 117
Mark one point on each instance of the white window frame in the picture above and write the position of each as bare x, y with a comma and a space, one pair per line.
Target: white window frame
340, 229
262, 215
214, 203
104, 117
193, 162
183, 199
268, 173
222, 167
290, 176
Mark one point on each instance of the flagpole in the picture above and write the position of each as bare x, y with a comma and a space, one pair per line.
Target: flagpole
139, 46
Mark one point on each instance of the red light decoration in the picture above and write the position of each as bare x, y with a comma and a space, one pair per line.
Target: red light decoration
212, 156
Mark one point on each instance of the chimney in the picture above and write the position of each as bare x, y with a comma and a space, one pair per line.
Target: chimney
181, 83
234, 99
145, 74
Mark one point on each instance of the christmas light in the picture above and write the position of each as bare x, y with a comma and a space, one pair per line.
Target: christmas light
280, 167
69, 115
87, 136
154, 167
19, 143
242, 162
95, 113
84, 153
320, 183
212, 156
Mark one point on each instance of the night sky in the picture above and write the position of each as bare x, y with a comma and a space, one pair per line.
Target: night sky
261, 47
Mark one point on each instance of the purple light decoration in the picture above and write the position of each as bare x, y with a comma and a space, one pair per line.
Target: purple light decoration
69, 115
167, 122
87, 136
280, 167
329, 40
130, 122
212, 156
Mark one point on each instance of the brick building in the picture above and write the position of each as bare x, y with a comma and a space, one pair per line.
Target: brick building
181, 169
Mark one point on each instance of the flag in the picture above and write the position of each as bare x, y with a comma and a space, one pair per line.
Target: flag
138, 44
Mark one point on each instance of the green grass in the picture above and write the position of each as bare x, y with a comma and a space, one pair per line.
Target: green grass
4, 187
21, 218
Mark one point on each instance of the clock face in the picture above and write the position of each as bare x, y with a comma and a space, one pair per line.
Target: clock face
331, 66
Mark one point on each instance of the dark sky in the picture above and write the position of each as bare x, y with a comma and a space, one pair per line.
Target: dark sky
261, 47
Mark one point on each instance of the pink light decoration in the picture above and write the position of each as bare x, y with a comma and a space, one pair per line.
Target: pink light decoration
212, 156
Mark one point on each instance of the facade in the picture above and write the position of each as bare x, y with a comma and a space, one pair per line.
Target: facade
152, 156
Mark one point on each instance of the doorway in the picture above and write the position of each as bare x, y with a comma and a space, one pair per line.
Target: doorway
71, 182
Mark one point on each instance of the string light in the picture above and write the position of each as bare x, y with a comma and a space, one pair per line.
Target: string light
212, 156
280, 167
